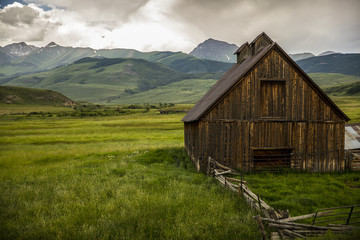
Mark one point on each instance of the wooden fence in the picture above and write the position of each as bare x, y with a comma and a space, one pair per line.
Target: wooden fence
281, 221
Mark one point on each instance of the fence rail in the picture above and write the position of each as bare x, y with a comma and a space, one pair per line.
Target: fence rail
281, 221
345, 217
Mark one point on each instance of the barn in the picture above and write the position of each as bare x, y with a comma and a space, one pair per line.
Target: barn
266, 112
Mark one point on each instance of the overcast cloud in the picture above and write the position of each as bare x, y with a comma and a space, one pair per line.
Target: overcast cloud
179, 25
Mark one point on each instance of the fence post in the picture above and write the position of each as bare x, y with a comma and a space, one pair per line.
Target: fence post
314, 218
348, 220
259, 203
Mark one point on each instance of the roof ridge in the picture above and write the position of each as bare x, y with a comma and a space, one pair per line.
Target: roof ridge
260, 35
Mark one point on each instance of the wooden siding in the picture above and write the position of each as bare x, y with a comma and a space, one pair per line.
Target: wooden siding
236, 125
243, 102
315, 146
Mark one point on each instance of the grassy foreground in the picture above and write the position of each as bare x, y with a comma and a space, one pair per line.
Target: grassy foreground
110, 178
128, 177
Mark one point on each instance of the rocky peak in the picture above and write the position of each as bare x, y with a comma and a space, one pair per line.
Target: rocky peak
216, 50
52, 44
20, 49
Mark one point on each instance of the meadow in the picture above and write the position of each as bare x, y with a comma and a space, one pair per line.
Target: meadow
128, 177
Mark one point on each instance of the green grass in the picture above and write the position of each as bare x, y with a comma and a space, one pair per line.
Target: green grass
128, 177
326, 80
98, 80
348, 89
19, 109
31, 96
350, 106
301, 192
185, 91
111, 177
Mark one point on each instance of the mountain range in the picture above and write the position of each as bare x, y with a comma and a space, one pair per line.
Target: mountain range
54, 55
130, 76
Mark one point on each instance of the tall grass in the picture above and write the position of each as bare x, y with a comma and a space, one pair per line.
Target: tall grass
110, 178
303, 192
128, 177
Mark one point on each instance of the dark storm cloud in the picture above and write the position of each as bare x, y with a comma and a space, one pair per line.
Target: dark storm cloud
18, 15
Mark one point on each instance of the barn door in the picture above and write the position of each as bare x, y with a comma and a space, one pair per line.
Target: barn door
274, 158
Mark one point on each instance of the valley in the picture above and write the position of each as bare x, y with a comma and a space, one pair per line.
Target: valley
125, 76
128, 177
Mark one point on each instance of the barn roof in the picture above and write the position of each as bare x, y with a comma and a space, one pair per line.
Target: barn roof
352, 136
239, 70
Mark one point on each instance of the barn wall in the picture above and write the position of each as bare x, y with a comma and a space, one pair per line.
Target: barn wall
315, 146
302, 102
237, 124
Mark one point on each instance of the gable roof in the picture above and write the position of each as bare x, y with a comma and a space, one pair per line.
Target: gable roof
236, 72
239, 70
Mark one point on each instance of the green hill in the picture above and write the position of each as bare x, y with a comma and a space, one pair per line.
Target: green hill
30, 96
348, 64
185, 91
98, 80
326, 80
130, 80
347, 89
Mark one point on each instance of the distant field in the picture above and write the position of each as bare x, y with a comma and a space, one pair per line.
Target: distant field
350, 106
185, 91
325, 80
18, 109
128, 177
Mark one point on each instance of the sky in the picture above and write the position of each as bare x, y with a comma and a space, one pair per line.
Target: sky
180, 25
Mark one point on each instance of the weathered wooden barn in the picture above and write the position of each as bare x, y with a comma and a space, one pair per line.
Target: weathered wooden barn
266, 112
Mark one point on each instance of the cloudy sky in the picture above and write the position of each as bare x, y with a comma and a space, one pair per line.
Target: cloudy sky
180, 25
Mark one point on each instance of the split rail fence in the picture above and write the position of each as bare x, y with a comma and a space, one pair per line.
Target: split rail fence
285, 226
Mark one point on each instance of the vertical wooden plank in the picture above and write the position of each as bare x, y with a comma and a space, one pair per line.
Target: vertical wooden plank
294, 96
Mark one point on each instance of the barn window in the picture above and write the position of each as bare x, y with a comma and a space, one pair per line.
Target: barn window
270, 158
272, 99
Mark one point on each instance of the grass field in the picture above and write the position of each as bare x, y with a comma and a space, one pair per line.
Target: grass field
128, 177
110, 177
350, 106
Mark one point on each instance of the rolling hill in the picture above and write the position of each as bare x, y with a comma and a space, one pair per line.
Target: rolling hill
347, 89
101, 80
30, 96
326, 80
184, 91
348, 64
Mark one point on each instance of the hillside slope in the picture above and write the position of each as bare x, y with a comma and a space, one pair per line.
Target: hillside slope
30, 96
348, 89
335, 63
98, 80
326, 80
